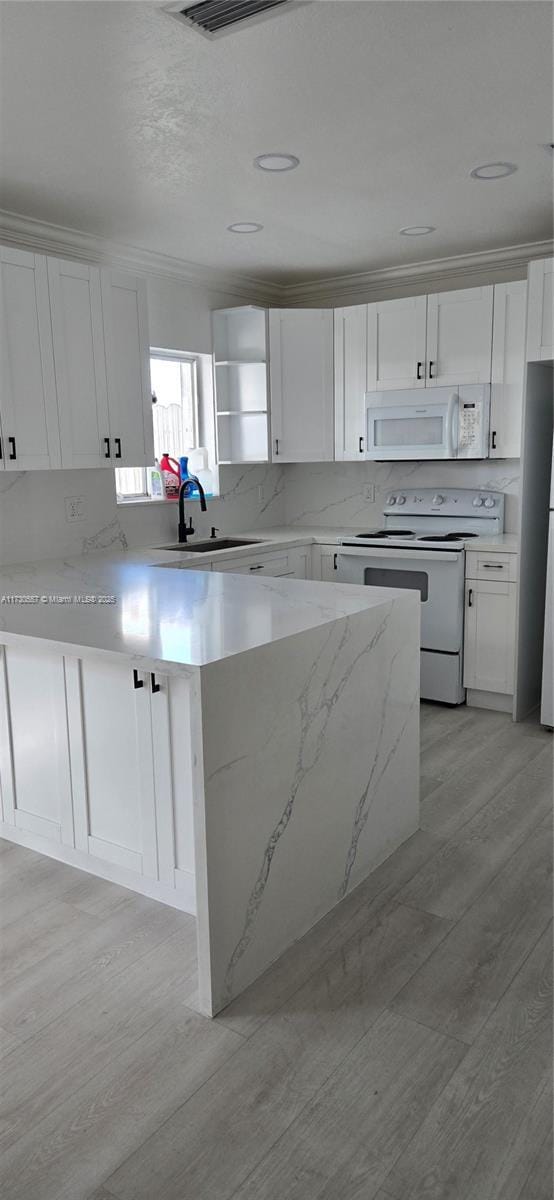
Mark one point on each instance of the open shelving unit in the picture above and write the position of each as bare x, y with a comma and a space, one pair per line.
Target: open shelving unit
241, 361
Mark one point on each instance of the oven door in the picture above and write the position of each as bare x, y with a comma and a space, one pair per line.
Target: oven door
404, 425
438, 576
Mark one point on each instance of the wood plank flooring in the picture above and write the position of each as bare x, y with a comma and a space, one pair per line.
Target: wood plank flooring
402, 1050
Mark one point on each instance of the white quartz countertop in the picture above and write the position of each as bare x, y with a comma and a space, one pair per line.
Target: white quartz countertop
120, 604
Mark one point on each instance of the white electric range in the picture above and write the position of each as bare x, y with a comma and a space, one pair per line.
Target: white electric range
421, 545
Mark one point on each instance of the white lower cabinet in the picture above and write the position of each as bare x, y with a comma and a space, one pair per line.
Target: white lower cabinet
293, 562
35, 778
490, 623
110, 773
324, 563
112, 763
132, 802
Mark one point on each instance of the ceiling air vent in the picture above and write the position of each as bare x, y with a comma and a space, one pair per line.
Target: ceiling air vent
216, 17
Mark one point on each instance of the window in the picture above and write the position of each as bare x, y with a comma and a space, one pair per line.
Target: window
175, 417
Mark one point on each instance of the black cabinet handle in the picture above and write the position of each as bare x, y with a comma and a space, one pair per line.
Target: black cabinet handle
1, 453
156, 687
418, 372
117, 447
361, 445
334, 562
258, 567
11, 444
137, 683
107, 445
470, 598
431, 365
276, 446
493, 440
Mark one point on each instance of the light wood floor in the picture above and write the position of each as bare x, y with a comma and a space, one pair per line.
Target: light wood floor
401, 1051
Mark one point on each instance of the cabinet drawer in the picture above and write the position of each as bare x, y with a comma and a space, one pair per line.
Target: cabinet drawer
265, 564
480, 565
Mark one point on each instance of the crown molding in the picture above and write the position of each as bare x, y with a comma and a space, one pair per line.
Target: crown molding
427, 276
45, 238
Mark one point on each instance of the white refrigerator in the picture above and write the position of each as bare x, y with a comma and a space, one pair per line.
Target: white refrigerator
547, 693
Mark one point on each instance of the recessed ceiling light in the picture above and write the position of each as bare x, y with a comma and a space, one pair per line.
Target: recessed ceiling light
417, 230
496, 170
245, 227
276, 162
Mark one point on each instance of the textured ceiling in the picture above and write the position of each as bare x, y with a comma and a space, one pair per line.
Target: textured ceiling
119, 121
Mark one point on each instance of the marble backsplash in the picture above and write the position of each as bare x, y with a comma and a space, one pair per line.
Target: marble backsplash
33, 521
334, 494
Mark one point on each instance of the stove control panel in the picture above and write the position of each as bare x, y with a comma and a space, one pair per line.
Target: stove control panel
452, 502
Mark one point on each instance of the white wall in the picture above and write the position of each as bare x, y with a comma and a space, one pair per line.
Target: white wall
333, 494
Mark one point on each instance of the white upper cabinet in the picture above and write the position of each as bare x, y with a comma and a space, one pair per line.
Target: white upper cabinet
540, 312
396, 344
125, 314
350, 381
430, 341
301, 375
28, 409
76, 308
459, 337
508, 367
75, 362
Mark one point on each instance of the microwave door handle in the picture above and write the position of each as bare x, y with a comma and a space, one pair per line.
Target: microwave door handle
452, 407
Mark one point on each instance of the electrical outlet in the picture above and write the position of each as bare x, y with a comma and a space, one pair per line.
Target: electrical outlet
369, 492
74, 508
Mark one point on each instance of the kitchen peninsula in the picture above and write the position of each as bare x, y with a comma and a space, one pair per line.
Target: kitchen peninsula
245, 749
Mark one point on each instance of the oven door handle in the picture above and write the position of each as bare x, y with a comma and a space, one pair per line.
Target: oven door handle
417, 556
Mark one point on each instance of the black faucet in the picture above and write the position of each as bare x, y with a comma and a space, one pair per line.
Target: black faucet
185, 489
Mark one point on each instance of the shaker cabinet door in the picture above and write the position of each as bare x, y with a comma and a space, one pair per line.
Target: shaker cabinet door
112, 763
508, 369
396, 344
35, 779
76, 307
350, 332
459, 337
301, 374
489, 649
28, 407
124, 306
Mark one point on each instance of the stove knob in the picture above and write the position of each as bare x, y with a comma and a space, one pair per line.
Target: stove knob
401, 500
391, 500
478, 502
489, 502
438, 499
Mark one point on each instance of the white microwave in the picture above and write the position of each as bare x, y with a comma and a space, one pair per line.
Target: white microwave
441, 422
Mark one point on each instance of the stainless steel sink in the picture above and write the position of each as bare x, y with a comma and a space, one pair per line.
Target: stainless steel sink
210, 545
